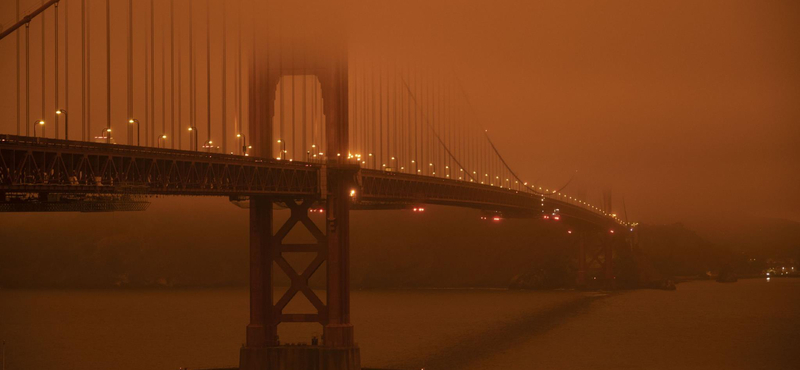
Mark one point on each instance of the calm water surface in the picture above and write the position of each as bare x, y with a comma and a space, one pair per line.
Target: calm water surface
752, 324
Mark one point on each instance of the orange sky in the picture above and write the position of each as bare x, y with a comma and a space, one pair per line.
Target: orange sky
688, 110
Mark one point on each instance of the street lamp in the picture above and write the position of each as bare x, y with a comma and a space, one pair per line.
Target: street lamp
138, 126
40, 123
66, 122
162, 137
243, 140
283, 149
107, 133
193, 130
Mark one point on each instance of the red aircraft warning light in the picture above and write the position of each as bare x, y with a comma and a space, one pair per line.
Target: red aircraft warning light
612, 231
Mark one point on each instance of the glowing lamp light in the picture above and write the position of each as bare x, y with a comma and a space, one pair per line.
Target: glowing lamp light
612, 231
352, 192
569, 231
41, 122
496, 218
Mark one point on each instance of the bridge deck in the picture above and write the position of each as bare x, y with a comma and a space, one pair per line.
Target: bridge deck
31, 165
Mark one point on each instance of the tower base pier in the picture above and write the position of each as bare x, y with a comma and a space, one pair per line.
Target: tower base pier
300, 358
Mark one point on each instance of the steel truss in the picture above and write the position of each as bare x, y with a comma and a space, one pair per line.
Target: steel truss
59, 166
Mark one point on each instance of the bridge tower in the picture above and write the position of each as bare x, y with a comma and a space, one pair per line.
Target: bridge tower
284, 35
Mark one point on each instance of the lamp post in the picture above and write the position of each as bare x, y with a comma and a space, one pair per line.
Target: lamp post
138, 126
40, 123
243, 141
283, 149
193, 130
433, 166
62, 112
162, 137
107, 133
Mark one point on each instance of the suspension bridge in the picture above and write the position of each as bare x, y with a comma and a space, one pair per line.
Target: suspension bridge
123, 98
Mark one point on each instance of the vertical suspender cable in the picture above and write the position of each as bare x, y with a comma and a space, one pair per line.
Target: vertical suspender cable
357, 147
280, 81
145, 64
27, 79
130, 71
152, 119
151, 136
83, 69
44, 128
239, 79
364, 104
66, 67
88, 75
192, 80
55, 67
304, 139
208, 74
373, 159
416, 129
224, 76
180, 100
397, 128
163, 86
294, 135
172, 71
108, 70
380, 161
19, 91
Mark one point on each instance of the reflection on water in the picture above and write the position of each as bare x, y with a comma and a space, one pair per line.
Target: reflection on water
749, 324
